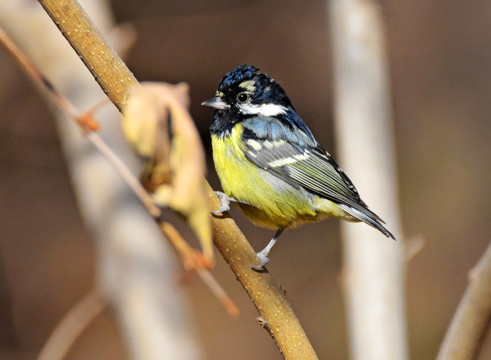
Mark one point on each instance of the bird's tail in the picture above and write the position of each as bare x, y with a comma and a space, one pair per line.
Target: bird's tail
368, 217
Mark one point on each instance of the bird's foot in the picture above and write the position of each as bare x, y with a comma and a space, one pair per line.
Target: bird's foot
263, 258
263, 254
225, 201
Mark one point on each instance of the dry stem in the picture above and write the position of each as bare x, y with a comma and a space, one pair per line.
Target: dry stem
473, 316
72, 325
116, 80
79, 317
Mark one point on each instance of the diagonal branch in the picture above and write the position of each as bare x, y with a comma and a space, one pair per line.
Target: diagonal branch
72, 325
116, 80
105, 65
473, 316
87, 124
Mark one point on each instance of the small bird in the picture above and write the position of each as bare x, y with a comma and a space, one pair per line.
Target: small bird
270, 164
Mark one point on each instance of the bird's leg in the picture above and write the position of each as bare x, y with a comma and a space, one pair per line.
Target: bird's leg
224, 202
263, 254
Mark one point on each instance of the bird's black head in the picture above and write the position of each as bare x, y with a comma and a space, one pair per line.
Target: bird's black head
245, 92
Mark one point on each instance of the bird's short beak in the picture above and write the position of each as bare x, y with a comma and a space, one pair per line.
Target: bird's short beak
216, 102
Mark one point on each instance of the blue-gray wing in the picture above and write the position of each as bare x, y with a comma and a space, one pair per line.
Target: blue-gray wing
303, 163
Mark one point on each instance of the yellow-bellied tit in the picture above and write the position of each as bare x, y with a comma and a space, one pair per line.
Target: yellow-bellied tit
270, 164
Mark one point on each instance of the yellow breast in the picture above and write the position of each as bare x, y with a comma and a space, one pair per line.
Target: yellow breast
267, 200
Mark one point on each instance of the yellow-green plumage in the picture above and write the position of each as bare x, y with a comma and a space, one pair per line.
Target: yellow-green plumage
265, 199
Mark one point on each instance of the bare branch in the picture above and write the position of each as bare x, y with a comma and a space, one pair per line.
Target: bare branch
72, 325
473, 316
135, 268
88, 124
101, 60
270, 301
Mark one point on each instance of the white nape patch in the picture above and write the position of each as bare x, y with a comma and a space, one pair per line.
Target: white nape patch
288, 160
254, 144
262, 109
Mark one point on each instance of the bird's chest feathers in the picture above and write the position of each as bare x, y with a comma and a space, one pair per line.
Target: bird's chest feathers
271, 202
232, 167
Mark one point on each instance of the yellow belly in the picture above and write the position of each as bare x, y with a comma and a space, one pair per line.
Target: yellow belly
265, 199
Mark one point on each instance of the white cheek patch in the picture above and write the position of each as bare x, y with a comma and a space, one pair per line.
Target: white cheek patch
262, 109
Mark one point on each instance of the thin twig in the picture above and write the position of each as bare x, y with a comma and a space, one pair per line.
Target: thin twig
134, 268
473, 316
72, 325
179, 243
110, 156
125, 173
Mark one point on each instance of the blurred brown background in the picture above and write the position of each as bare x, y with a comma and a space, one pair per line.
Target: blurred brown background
440, 55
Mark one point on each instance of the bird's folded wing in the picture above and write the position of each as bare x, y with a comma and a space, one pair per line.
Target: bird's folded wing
310, 168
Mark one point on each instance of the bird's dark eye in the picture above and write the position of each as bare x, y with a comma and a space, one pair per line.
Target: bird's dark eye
242, 97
